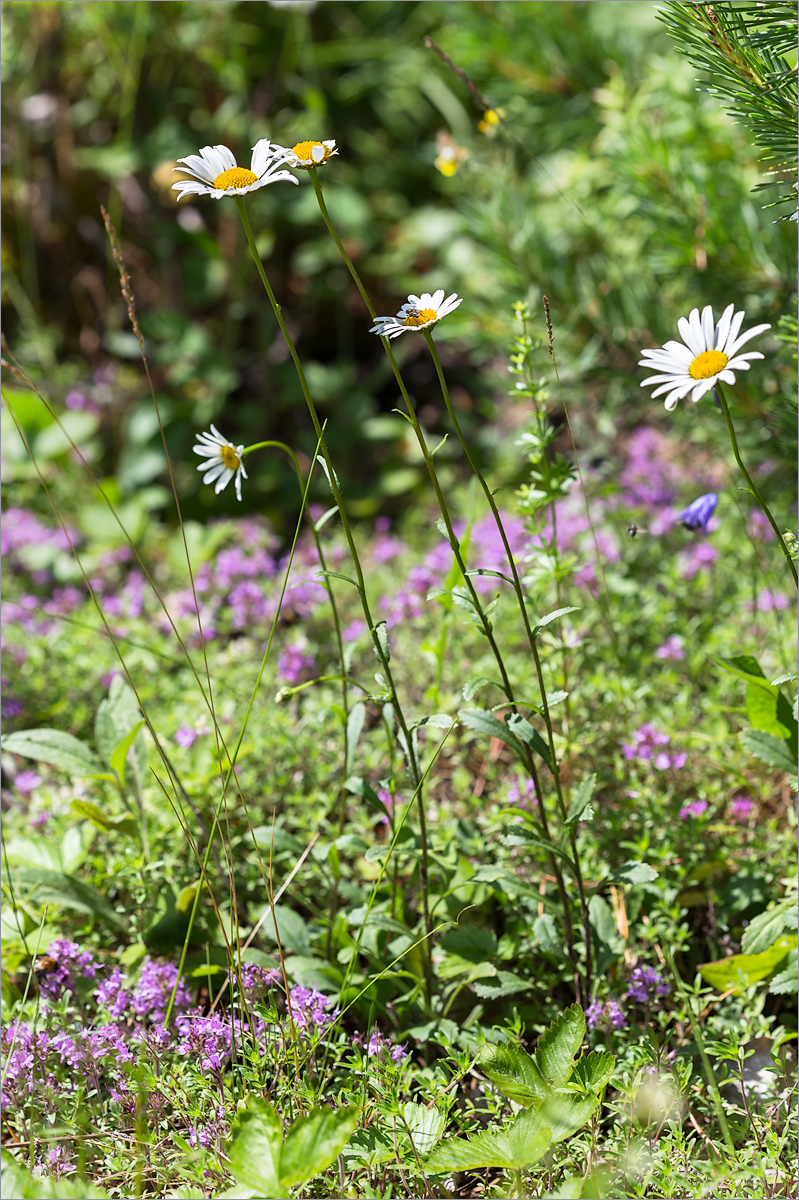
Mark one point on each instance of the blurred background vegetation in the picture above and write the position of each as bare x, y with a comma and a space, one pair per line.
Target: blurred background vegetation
612, 184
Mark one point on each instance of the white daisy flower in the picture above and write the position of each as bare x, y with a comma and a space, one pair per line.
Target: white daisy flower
223, 460
709, 353
216, 173
418, 312
310, 154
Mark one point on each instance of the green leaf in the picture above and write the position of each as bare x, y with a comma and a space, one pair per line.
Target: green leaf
565, 1114
593, 1071
253, 1150
117, 717
515, 1073
524, 730
437, 720
56, 888
355, 722
293, 929
580, 808
496, 574
314, 1142
764, 929
119, 757
381, 633
101, 820
546, 934
424, 1124
769, 711
522, 835
741, 970
471, 688
504, 983
745, 667
55, 747
20, 1183
553, 616
482, 721
786, 982
521, 1144
773, 751
557, 1046
632, 872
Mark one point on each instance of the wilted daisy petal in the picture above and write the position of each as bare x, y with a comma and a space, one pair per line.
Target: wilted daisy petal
708, 353
417, 313
216, 173
223, 460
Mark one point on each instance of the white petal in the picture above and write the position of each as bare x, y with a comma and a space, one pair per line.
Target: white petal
735, 325
679, 378
262, 154
708, 327
197, 165
436, 298
223, 480
744, 338
723, 327
682, 389
703, 386
671, 401
331, 145
741, 361
728, 376
689, 335
414, 302
227, 157
190, 187
213, 471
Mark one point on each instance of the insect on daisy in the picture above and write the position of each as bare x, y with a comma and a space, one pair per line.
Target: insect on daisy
216, 173
708, 353
224, 461
418, 313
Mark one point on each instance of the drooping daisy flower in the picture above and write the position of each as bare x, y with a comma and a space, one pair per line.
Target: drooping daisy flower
709, 353
310, 154
418, 313
224, 461
216, 173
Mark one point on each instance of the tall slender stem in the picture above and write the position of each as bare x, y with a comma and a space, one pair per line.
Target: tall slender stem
750, 481
382, 655
517, 587
485, 623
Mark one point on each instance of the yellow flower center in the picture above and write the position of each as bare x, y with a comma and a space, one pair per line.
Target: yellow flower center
708, 363
312, 153
234, 178
415, 317
230, 458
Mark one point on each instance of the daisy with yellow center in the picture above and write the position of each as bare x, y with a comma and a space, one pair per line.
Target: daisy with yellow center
223, 460
311, 154
418, 312
216, 173
708, 353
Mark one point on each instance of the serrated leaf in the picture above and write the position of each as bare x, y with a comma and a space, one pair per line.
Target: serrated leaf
471, 688
21, 1184
557, 1046
424, 1124
764, 929
58, 888
515, 1073
504, 983
525, 731
741, 970
254, 1148
580, 808
773, 751
482, 721
314, 1142
521, 1144
786, 982
593, 1071
55, 747
632, 872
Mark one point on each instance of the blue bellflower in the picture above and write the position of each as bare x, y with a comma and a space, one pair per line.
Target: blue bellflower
699, 512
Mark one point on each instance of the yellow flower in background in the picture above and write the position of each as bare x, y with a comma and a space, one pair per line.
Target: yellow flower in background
490, 121
450, 154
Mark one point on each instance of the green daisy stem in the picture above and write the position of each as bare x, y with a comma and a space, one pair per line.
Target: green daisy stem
750, 481
382, 655
453, 541
517, 587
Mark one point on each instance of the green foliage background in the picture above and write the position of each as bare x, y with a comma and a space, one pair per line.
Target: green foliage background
613, 185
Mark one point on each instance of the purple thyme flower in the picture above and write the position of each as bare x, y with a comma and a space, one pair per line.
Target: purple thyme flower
112, 995
186, 736
697, 558
256, 980
308, 1008
71, 961
672, 649
522, 793
27, 781
208, 1040
699, 512
609, 1015
694, 809
645, 984
153, 989
295, 666
741, 807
